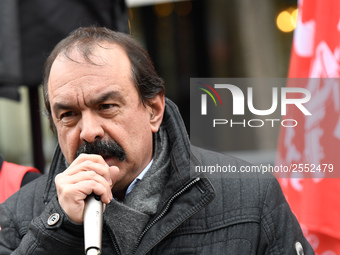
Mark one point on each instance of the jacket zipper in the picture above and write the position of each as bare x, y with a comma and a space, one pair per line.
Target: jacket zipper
164, 211
113, 241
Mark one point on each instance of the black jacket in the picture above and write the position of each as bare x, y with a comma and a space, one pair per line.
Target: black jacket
196, 215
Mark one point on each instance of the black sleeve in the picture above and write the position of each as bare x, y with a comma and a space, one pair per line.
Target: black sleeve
28, 177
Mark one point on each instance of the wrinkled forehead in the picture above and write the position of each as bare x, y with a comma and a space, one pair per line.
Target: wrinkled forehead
106, 62
101, 55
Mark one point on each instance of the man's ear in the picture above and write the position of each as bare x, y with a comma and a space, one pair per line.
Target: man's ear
156, 107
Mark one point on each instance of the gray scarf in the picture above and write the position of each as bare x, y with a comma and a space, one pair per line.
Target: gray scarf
127, 219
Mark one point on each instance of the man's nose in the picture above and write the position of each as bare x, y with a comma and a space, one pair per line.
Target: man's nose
91, 128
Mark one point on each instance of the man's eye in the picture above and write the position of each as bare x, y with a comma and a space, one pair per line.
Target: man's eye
66, 114
107, 106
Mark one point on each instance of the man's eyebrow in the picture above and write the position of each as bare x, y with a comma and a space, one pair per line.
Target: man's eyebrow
115, 95
61, 106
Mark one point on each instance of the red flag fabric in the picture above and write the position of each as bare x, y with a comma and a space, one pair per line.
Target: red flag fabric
316, 140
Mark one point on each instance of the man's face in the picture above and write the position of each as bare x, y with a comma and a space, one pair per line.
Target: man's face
100, 102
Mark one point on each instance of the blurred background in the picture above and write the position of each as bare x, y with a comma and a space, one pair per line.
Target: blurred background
234, 38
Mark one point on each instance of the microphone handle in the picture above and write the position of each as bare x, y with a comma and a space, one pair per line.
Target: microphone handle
93, 225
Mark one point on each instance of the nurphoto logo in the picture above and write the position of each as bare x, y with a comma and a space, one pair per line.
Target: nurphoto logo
288, 96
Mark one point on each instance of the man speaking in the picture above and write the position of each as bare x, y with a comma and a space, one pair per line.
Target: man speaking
121, 139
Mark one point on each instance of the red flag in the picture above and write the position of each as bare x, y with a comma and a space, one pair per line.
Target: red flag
316, 54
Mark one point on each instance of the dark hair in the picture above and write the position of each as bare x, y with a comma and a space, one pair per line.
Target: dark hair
144, 76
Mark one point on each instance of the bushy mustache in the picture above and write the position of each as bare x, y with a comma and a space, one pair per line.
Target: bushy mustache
103, 148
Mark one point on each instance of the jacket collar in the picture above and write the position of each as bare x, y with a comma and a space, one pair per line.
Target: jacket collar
183, 201
58, 165
182, 157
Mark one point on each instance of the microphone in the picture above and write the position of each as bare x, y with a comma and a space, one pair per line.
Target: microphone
93, 225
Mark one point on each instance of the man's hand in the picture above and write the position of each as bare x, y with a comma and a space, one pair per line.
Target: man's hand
87, 174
